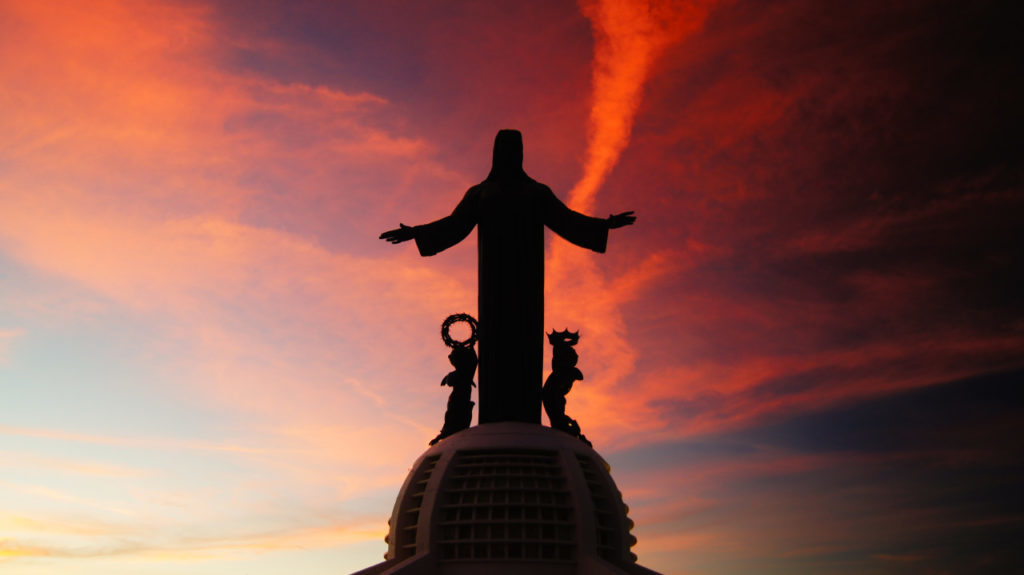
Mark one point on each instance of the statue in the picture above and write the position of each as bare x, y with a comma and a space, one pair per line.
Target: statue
459, 414
563, 373
511, 210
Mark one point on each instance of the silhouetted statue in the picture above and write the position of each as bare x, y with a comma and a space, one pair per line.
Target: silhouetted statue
563, 373
511, 210
459, 414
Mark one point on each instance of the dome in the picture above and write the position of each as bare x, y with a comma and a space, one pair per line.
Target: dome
509, 498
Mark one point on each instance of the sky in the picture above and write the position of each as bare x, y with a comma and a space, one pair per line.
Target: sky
804, 358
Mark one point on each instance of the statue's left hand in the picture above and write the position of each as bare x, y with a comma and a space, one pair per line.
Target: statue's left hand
403, 234
620, 220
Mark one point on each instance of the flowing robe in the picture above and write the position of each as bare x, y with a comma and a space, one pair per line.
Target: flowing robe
511, 214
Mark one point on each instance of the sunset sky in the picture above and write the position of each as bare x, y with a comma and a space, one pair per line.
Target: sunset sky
804, 358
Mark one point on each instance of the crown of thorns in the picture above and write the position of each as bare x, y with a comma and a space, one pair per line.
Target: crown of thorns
565, 337
453, 319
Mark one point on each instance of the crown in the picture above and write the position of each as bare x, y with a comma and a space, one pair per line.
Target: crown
565, 337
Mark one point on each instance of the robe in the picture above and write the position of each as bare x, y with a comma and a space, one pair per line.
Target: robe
511, 213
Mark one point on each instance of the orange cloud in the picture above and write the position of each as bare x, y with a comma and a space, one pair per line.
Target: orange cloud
225, 210
628, 38
705, 396
148, 175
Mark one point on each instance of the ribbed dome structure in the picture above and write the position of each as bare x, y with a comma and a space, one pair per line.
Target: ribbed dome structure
506, 498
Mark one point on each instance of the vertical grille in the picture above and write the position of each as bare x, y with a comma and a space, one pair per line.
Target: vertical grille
608, 509
508, 505
404, 533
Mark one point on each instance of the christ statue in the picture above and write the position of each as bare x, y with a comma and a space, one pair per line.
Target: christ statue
510, 209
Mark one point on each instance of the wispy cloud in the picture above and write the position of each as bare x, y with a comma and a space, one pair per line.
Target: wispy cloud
191, 548
628, 38
222, 205
66, 497
9, 459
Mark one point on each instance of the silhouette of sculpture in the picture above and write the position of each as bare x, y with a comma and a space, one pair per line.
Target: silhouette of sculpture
511, 210
459, 414
563, 373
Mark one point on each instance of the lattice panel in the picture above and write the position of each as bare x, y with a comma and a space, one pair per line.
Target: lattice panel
508, 505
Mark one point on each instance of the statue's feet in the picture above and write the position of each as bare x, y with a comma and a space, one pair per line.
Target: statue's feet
439, 437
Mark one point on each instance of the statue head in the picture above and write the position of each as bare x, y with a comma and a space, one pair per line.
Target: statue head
463, 359
508, 155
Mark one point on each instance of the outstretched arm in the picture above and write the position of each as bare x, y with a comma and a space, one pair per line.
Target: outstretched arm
442, 234
582, 230
621, 220
403, 234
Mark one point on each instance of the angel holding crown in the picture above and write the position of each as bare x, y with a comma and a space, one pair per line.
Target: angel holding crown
563, 373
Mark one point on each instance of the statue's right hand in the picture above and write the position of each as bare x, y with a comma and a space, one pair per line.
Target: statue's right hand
404, 233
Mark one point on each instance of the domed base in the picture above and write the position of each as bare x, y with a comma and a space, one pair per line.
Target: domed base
505, 498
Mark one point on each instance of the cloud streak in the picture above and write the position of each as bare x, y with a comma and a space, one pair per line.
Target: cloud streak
199, 548
628, 38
